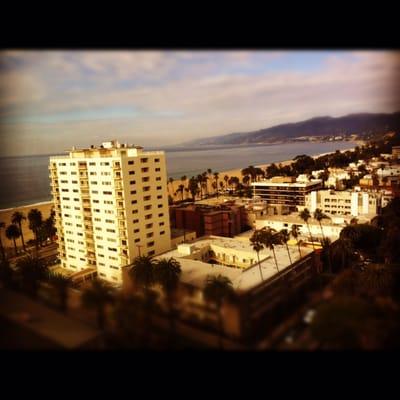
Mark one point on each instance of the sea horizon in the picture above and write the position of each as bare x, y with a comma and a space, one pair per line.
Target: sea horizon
26, 182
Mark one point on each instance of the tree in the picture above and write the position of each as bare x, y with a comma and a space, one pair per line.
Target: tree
344, 250
193, 187
31, 271
257, 243
3, 255
285, 236
319, 216
180, 190
171, 182
216, 177
167, 273
295, 232
226, 179
96, 297
35, 222
305, 216
61, 284
270, 239
143, 276
13, 233
217, 289
17, 219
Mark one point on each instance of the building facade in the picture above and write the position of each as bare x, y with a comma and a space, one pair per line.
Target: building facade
285, 191
345, 202
111, 205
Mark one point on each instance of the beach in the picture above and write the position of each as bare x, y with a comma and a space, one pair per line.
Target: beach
6, 215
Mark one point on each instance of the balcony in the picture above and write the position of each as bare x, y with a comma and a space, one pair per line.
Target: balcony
116, 167
82, 166
122, 235
85, 194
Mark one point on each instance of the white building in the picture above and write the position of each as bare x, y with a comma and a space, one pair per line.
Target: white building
111, 205
346, 202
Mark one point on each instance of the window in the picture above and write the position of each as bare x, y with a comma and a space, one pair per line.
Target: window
158, 169
144, 160
150, 244
158, 178
145, 179
151, 253
159, 205
145, 169
161, 215
137, 240
146, 188
156, 160
158, 187
159, 196
135, 221
148, 216
130, 162
147, 207
136, 230
162, 232
107, 192
92, 163
132, 183
131, 172
112, 249
93, 173
148, 226
146, 198
161, 224
134, 211
133, 191
133, 201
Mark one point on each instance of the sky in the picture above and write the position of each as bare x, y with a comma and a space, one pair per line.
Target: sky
53, 100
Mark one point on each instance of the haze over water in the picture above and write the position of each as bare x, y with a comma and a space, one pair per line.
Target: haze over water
25, 180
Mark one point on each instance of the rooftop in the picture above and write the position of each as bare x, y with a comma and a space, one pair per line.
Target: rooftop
195, 272
286, 184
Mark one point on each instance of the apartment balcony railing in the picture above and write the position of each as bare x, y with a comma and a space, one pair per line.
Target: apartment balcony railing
85, 194
122, 234
82, 166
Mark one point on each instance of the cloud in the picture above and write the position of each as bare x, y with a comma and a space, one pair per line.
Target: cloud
181, 95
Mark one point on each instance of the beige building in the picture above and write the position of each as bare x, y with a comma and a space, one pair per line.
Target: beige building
111, 205
345, 202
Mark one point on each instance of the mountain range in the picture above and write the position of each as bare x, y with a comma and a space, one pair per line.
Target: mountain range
325, 126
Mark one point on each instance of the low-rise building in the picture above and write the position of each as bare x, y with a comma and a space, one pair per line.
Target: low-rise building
345, 202
285, 191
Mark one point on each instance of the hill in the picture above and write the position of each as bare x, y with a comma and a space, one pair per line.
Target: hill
321, 127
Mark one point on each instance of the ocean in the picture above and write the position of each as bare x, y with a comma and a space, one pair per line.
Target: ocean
25, 180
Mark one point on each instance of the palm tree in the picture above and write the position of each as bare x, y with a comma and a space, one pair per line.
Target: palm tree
13, 233
226, 179
61, 283
142, 275
35, 222
193, 187
17, 219
295, 232
31, 271
344, 249
257, 243
270, 239
3, 256
216, 177
184, 179
285, 236
217, 289
97, 296
305, 216
167, 273
319, 216
171, 181
180, 190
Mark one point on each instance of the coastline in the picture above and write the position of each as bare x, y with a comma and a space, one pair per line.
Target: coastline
45, 206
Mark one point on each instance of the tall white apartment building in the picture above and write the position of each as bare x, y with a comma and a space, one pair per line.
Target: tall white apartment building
111, 205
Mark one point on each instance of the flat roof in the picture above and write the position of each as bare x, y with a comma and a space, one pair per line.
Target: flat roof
195, 272
289, 184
